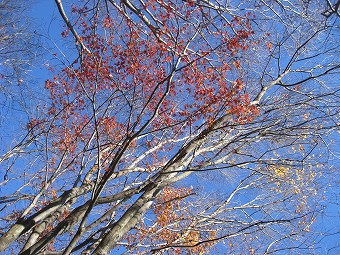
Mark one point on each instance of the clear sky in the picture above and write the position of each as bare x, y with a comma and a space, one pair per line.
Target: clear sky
48, 23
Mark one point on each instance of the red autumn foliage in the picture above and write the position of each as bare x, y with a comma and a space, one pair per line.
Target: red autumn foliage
145, 74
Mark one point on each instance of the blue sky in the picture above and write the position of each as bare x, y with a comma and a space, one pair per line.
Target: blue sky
49, 24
